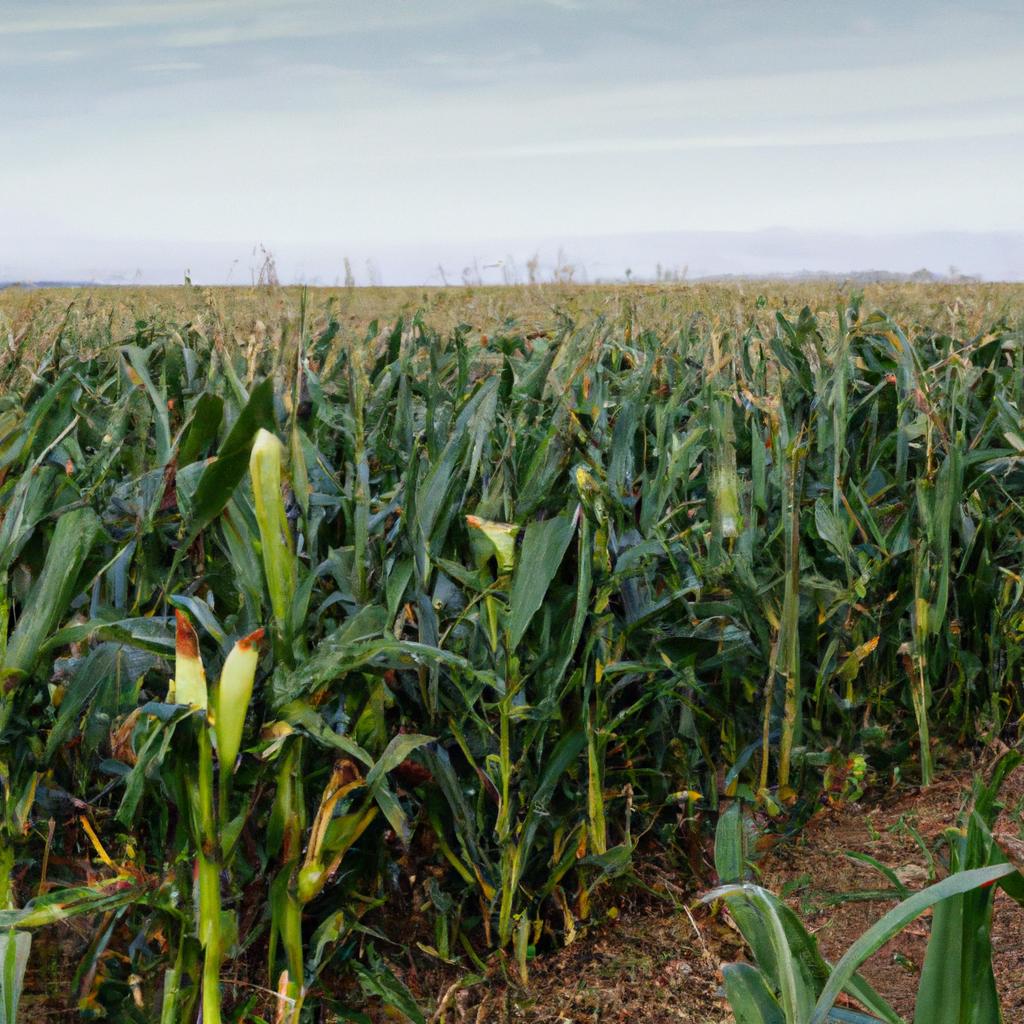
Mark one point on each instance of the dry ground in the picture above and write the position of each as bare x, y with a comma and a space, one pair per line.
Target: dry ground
652, 965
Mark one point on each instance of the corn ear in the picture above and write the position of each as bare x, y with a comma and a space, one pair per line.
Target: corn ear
189, 683
233, 696
265, 463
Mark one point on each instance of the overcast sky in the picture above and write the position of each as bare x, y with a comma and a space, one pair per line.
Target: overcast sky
153, 135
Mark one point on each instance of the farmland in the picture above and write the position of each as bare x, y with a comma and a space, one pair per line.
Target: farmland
359, 628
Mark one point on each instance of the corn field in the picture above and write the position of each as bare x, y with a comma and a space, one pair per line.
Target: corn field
305, 618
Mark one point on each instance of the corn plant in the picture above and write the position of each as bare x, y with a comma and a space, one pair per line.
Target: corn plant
219, 726
46, 604
640, 549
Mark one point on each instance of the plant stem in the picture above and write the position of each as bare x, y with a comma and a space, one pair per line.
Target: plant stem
209, 885
291, 928
6, 868
790, 643
287, 910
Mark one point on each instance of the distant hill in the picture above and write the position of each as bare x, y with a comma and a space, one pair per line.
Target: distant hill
645, 256
922, 276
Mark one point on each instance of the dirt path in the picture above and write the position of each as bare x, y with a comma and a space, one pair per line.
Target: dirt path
652, 966
816, 872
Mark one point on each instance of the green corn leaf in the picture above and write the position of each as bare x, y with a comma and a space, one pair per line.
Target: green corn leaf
731, 844
201, 432
303, 717
103, 896
47, 603
392, 810
137, 358
765, 930
14, 952
223, 475
544, 546
155, 635
750, 999
23, 508
110, 666
400, 747
883, 869
894, 922
957, 984
796, 958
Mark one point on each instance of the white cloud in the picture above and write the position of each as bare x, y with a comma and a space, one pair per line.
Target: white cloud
19, 57
76, 17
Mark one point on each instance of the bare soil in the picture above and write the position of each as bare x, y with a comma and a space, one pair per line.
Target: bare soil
818, 871
653, 966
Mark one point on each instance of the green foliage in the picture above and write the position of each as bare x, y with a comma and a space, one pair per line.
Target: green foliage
720, 548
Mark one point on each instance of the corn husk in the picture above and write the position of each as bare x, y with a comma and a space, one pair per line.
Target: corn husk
233, 696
